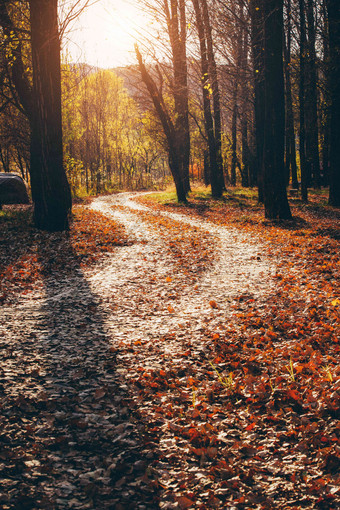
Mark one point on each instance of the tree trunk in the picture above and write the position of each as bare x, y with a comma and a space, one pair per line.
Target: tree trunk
50, 189
216, 189
234, 137
275, 195
244, 99
290, 159
215, 96
302, 138
325, 102
257, 37
334, 49
312, 132
177, 27
170, 130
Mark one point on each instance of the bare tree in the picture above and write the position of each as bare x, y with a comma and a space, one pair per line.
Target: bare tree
176, 125
214, 145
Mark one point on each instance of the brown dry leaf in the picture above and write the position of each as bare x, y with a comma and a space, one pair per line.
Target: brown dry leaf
99, 393
184, 502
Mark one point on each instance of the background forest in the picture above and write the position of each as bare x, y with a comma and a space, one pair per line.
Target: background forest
196, 103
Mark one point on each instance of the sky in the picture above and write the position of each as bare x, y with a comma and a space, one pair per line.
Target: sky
105, 33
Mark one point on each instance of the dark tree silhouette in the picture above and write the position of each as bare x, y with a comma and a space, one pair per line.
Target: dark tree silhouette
275, 194
42, 106
290, 159
311, 101
334, 72
302, 96
267, 44
257, 38
50, 189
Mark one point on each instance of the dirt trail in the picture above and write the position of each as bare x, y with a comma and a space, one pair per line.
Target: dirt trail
240, 268
69, 438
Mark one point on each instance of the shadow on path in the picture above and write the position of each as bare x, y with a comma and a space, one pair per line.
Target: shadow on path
70, 439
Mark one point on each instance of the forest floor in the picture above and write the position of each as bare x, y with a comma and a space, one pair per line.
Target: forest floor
174, 357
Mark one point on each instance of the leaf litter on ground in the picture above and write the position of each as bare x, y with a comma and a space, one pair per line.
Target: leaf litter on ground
240, 411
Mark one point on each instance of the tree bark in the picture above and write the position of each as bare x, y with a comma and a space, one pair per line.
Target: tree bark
244, 99
215, 95
290, 160
312, 131
234, 136
325, 101
334, 49
216, 188
302, 137
257, 38
275, 195
177, 28
50, 189
174, 150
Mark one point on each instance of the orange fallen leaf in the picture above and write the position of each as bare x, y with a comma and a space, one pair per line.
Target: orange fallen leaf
171, 309
213, 304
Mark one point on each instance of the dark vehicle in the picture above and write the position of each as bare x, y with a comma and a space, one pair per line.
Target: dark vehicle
13, 189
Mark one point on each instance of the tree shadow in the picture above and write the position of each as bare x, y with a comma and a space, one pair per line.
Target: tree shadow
79, 440
16, 234
295, 224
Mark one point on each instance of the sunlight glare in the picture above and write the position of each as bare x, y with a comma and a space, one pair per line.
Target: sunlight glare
105, 33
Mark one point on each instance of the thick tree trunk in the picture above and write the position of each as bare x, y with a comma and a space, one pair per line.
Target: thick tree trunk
244, 99
50, 189
325, 102
334, 49
275, 195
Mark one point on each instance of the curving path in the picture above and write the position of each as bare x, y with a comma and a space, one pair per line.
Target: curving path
68, 438
240, 268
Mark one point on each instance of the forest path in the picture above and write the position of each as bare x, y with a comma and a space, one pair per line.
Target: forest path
138, 279
73, 424
166, 376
